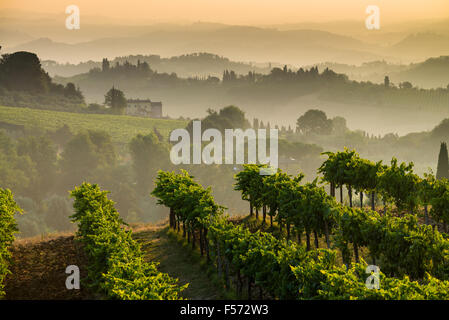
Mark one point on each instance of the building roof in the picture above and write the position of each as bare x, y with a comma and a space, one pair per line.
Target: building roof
156, 104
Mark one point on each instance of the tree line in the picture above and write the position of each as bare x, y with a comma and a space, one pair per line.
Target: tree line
23, 83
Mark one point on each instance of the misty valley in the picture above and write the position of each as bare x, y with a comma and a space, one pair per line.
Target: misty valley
301, 160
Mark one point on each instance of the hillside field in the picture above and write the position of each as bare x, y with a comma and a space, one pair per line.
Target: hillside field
121, 128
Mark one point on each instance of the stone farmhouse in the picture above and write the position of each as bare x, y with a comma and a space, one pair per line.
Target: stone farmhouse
144, 108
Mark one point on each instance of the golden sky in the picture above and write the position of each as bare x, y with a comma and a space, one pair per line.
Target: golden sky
240, 11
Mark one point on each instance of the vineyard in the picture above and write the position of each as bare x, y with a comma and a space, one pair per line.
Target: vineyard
121, 128
116, 266
8, 228
224, 159
307, 244
413, 257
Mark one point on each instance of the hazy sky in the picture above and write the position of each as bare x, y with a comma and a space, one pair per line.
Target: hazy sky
240, 11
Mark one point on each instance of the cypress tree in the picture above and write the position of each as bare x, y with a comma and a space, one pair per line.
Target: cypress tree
443, 162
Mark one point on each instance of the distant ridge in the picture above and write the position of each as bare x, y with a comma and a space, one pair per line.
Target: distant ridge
236, 42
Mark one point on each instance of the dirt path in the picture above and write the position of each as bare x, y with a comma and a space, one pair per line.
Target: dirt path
178, 262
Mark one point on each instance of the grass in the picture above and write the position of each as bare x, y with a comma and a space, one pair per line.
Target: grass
121, 128
178, 260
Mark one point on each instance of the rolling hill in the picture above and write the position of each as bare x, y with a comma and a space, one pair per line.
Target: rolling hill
422, 44
121, 128
236, 42
186, 65
431, 73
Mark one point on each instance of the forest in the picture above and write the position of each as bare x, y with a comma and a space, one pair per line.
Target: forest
46, 153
